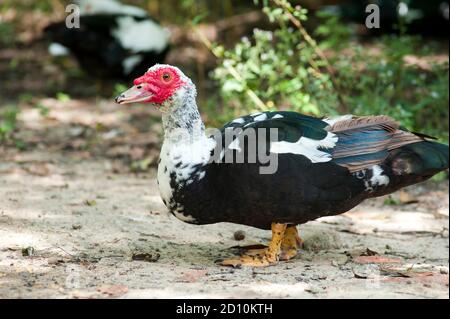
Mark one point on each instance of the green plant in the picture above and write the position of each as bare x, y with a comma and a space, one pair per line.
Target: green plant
63, 97
8, 122
287, 69
118, 89
43, 110
6, 33
24, 5
392, 75
280, 67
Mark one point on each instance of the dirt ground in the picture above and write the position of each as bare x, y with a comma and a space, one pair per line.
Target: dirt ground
80, 217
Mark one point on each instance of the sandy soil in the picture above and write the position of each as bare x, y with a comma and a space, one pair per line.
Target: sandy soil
83, 228
80, 214
80, 217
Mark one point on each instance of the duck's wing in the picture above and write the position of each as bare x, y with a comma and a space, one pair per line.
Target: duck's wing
353, 142
367, 141
276, 131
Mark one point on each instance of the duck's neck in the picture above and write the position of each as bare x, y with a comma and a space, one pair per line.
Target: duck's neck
182, 121
185, 140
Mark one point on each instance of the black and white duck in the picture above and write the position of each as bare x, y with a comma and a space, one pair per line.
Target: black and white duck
320, 167
113, 40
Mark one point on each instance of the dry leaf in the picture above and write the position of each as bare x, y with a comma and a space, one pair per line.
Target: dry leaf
113, 291
38, 169
376, 260
193, 275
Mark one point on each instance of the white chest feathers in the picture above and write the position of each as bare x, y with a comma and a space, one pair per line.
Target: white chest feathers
180, 164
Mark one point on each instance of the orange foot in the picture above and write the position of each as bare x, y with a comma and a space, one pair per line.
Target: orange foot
289, 245
283, 246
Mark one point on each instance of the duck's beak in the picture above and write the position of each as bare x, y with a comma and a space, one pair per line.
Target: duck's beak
136, 93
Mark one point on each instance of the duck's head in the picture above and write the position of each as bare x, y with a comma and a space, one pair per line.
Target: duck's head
163, 86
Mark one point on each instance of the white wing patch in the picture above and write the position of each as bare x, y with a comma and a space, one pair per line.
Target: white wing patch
140, 36
277, 116
238, 121
307, 147
130, 62
56, 49
260, 117
378, 178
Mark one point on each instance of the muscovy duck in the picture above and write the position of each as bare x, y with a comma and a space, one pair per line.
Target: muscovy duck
324, 166
113, 40
423, 17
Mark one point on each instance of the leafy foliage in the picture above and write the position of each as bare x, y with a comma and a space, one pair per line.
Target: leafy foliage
280, 67
8, 121
391, 76
286, 72
6, 33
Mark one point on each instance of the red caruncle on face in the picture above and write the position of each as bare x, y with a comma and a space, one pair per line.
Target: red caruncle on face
161, 83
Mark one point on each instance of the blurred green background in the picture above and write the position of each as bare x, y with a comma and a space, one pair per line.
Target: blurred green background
297, 55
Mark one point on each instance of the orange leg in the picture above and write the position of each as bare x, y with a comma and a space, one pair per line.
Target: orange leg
261, 257
289, 245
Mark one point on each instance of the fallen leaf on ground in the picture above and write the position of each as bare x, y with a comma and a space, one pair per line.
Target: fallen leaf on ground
146, 257
406, 198
113, 291
376, 260
38, 169
193, 276
90, 202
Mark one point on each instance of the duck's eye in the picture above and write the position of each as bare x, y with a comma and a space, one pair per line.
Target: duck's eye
166, 77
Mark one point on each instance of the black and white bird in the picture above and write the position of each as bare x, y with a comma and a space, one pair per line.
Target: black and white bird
429, 18
113, 40
323, 166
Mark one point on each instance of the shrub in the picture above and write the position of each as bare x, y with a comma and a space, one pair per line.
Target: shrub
286, 69
8, 121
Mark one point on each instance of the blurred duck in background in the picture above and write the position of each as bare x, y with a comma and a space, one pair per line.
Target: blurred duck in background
413, 16
113, 41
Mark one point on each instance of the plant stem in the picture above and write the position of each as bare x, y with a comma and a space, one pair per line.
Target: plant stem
232, 70
298, 24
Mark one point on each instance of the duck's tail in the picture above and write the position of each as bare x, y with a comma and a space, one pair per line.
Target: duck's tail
417, 162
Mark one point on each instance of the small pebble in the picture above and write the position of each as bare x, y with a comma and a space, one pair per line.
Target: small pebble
313, 289
27, 252
76, 226
54, 261
239, 235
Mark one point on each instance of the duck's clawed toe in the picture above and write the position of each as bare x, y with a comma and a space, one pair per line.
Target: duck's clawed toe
283, 246
291, 244
249, 261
